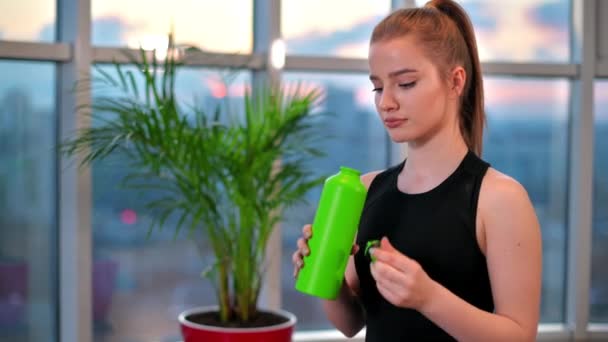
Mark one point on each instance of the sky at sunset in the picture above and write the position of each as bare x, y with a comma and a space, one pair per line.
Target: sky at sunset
514, 30
531, 30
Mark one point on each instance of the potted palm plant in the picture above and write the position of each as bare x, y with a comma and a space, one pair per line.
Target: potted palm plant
229, 174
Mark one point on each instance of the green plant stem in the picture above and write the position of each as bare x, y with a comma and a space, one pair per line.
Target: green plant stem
224, 295
243, 262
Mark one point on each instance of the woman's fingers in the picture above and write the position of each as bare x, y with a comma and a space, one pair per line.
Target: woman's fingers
307, 231
297, 261
303, 250
303, 246
296, 258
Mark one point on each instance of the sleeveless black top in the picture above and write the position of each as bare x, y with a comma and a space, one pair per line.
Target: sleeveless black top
435, 228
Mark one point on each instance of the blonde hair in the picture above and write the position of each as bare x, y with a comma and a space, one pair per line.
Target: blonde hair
445, 31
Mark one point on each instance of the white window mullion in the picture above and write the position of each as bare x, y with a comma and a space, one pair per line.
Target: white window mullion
267, 28
191, 59
602, 67
403, 3
602, 38
530, 69
360, 65
74, 185
598, 332
581, 169
58, 52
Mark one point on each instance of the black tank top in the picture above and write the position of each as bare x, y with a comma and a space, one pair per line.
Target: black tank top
435, 228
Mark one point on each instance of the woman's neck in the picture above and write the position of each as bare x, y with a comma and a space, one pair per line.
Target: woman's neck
431, 162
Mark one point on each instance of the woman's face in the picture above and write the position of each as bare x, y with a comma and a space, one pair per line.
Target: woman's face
410, 96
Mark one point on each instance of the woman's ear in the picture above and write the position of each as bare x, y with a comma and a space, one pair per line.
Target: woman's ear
457, 81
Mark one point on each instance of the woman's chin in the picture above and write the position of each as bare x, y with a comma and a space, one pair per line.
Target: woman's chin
400, 137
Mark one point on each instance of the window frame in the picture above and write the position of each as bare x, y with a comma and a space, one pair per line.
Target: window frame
74, 54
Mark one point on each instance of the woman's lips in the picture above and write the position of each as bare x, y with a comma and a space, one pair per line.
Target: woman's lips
394, 122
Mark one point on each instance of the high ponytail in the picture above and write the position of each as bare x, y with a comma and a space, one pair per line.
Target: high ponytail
446, 32
472, 119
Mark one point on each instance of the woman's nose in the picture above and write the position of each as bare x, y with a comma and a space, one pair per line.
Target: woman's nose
387, 102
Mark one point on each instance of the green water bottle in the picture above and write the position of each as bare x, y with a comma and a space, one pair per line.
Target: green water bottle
333, 233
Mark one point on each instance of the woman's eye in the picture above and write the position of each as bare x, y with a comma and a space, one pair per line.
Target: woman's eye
377, 90
407, 85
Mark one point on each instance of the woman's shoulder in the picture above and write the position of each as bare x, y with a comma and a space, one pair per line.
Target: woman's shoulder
369, 177
377, 175
502, 194
497, 185
508, 222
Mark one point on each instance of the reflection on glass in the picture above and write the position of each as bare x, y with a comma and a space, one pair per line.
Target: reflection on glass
357, 139
140, 285
218, 26
522, 31
28, 20
599, 274
527, 123
27, 202
336, 28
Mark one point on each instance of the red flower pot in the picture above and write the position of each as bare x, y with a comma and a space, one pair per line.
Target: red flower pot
196, 332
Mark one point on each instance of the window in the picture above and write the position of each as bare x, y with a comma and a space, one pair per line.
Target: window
140, 284
527, 123
358, 140
520, 31
335, 28
28, 20
28, 233
218, 26
599, 274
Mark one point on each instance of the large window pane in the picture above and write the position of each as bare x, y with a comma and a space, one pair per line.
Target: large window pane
357, 140
335, 28
599, 273
140, 285
527, 139
28, 20
520, 31
28, 232
218, 26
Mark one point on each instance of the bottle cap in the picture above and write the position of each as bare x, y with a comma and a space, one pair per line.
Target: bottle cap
350, 170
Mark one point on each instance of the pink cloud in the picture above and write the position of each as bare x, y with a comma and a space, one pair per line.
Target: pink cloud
601, 100
499, 91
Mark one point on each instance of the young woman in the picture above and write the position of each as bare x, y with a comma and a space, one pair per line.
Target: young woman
460, 253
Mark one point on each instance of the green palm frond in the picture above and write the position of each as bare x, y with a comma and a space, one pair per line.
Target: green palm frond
227, 173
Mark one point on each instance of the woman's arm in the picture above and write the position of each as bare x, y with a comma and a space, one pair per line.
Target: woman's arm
513, 254
346, 312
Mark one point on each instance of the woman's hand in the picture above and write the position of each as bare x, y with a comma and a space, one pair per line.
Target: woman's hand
399, 279
298, 256
303, 250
